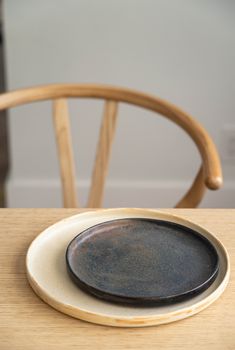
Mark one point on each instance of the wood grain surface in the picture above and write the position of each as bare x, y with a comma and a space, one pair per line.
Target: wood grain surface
26, 322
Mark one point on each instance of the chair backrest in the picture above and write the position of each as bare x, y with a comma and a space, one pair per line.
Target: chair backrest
209, 174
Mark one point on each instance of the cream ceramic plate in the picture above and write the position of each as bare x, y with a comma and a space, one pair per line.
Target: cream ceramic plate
47, 274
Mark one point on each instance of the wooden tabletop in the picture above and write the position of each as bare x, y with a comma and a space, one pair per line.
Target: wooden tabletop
26, 322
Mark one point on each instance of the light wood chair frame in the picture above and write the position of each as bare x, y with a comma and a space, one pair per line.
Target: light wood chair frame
208, 176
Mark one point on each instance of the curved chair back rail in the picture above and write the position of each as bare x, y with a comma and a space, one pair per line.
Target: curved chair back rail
209, 174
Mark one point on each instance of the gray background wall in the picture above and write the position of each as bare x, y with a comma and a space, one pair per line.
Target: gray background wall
182, 51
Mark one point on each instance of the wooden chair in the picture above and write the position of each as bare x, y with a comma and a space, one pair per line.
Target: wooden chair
209, 174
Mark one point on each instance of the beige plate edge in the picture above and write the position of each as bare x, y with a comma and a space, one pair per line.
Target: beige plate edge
98, 318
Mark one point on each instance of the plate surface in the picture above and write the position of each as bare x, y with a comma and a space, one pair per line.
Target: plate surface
47, 274
142, 261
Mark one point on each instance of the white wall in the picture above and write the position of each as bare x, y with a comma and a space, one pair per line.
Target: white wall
180, 50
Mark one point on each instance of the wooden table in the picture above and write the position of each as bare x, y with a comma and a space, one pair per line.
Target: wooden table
26, 322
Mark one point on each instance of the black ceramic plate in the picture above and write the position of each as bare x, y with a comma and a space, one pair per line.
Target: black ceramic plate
142, 261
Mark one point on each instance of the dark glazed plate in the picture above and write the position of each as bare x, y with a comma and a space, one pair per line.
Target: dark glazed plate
142, 261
